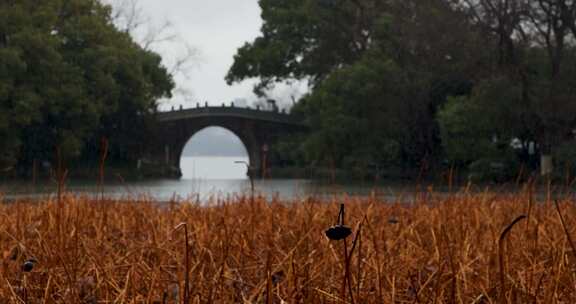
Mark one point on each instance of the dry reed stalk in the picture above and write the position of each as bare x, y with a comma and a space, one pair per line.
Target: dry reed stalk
568, 235
501, 240
47, 290
359, 262
451, 179
186, 298
341, 232
530, 189
520, 174
453, 279
61, 174
34, 171
268, 279
400, 259
348, 259
103, 155
378, 261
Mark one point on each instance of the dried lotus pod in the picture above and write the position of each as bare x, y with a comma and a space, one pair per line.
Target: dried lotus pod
338, 232
28, 265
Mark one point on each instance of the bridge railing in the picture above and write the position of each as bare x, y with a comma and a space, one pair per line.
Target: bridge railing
229, 111
274, 109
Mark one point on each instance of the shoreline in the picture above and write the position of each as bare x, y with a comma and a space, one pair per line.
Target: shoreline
284, 189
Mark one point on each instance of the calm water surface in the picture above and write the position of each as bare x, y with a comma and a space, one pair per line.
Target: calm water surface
203, 178
194, 189
214, 168
216, 177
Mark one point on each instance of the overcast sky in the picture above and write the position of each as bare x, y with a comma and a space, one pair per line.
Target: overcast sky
214, 141
216, 29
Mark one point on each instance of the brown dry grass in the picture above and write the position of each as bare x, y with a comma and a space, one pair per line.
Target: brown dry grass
438, 250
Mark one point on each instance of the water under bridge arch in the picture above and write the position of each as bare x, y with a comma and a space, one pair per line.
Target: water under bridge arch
257, 129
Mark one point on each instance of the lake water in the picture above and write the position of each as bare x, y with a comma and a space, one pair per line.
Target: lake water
218, 177
202, 189
203, 178
214, 168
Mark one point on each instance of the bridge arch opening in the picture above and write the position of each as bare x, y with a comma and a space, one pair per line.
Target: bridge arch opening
214, 152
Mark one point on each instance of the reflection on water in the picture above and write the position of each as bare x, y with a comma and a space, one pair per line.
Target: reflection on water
192, 189
224, 178
213, 168
203, 190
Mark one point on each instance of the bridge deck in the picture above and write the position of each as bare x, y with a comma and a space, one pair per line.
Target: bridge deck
245, 113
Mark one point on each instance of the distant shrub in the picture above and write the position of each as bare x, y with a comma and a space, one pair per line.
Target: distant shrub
493, 169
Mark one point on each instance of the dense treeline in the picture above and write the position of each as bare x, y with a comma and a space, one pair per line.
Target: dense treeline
415, 83
68, 78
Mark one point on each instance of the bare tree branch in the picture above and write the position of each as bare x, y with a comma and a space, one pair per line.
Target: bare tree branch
129, 16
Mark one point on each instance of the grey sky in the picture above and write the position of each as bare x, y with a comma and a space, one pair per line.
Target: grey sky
216, 28
215, 141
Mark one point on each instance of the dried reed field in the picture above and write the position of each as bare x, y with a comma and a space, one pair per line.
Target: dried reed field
481, 248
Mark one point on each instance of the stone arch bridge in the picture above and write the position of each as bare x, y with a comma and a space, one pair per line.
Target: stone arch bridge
257, 129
